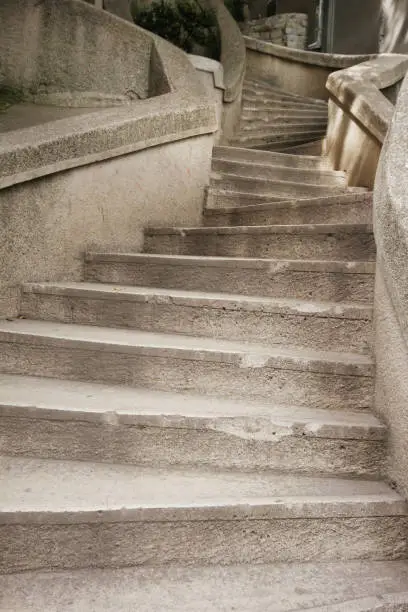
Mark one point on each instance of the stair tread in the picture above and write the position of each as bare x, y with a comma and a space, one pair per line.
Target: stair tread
342, 198
202, 348
304, 228
70, 488
30, 396
253, 154
203, 298
264, 263
355, 586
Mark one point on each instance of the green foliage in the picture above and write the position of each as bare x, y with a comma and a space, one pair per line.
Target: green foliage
8, 97
236, 8
184, 23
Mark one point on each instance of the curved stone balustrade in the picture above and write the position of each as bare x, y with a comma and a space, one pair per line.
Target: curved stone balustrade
360, 114
300, 72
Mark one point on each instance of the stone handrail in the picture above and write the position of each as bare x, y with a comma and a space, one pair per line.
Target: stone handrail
301, 72
184, 111
232, 51
326, 60
358, 90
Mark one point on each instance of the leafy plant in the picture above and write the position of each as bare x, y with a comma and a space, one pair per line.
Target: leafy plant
236, 8
184, 23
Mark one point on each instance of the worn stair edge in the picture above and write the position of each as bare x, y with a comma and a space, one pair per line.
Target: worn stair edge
300, 279
261, 84
255, 588
123, 517
275, 172
57, 419
183, 363
348, 208
216, 315
270, 157
321, 241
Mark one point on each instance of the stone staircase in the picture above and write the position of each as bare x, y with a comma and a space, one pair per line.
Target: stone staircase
277, 120
190, 427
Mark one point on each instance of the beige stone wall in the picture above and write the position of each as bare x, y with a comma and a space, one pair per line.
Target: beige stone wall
50, 47
298, 71
288, 29
46, 225
391, 297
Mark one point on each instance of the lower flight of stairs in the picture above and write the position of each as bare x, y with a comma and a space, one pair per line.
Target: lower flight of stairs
190, 428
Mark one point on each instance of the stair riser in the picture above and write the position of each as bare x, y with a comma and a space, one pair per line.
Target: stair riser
219, 198
121, 544
271, 89
223, 443
284, 116
274, 187
279, 283
290, 161
277, 142
308, 148
275, 99
229, 322
279, 174
350, 247
356, 212
234, 376
278, 127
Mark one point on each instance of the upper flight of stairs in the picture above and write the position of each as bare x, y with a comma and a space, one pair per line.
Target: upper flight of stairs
190, 428
277, 120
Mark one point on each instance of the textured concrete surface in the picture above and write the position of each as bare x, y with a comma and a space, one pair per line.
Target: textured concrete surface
82, 421
51, 222
270, 157
272, 322
124, 517
202, 365
349, 208
320, 280
278, 588
322, 242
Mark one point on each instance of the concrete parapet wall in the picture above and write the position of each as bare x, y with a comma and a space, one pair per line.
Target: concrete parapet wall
360, 114
297, 71
51, 47
96, 180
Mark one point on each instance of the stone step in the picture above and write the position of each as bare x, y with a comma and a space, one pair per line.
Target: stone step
284, 139
276, 95
256, 103
46, 418
264, 86
171, 362
274, 114
314, 147
225, 198
271, 158
286, 186
280, 173
268, 128
66, 515
327, 242
274, 322
343, 586
302, 279
346, 208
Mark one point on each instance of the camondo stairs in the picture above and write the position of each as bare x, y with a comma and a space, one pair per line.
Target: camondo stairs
190, 427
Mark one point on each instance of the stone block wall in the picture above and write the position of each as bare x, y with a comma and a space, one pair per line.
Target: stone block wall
288, 29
